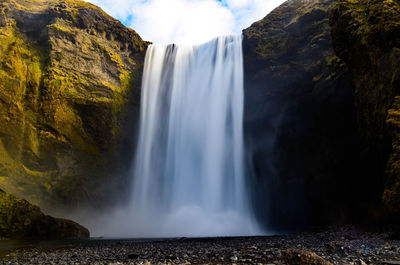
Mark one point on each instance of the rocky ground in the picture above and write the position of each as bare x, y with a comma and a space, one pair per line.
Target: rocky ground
344, 245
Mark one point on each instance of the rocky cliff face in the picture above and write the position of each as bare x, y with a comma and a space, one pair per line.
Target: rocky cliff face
300, 118
322, 111
21, 220
321, 115
366, 35
69, 74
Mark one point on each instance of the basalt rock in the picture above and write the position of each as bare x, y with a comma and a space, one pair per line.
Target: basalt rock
21, 220
69, 78
298, 256
366, 35
299, 118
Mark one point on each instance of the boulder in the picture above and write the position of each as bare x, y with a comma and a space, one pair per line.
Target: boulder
19, 219
297, 256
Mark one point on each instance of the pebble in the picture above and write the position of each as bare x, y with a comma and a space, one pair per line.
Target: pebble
335, 246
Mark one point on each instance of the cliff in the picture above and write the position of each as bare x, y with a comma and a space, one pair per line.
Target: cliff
322, 112
322, 104
366, 35
69, 76
21, 220
300, 122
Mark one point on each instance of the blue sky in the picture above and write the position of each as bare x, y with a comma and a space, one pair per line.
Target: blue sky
187, 21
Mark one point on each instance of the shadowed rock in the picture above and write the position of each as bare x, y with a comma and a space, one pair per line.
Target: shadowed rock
21, 220
299, 118
366, 35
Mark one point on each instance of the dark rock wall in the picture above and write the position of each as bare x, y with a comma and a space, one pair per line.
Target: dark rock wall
300, 122
366, 35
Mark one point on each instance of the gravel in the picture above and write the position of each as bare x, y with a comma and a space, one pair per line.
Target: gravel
341, 245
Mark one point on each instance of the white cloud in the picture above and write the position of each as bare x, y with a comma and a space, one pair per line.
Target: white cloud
187, 21
182, 21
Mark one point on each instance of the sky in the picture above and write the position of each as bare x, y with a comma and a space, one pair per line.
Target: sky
187, 21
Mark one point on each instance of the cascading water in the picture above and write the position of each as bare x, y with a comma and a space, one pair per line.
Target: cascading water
189, 172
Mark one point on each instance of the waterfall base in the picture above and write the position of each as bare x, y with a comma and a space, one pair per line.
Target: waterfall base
188, 174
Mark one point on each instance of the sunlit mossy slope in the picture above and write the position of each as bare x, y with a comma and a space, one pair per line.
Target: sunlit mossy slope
68, 75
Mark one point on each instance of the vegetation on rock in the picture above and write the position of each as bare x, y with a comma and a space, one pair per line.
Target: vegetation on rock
299, 118
21, 220
322, 113
69, 73
366, 35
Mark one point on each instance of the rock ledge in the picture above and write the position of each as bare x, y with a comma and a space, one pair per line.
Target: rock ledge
20, 219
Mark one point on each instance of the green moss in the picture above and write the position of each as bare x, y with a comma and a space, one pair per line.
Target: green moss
372, 19
63, 28
110, 54
318, 37
21, 220
120, 98
10, 210
61, 112
114, 57
59, 56
366, 37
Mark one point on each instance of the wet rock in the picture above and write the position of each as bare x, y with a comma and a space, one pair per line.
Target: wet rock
296, 256
220, 251
361, 262
299, 93
390, 262
133, 256
335, 247
368, 42
21, 220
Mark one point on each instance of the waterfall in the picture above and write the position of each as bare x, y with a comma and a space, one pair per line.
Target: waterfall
189, 167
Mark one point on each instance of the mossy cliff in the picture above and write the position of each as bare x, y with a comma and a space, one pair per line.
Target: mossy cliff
366, 35
21, 220
299, 118
69, 74
322, 84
